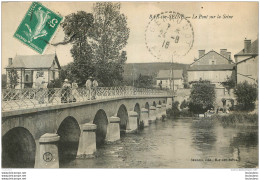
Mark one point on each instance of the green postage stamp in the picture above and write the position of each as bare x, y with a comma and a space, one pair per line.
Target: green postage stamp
38, 27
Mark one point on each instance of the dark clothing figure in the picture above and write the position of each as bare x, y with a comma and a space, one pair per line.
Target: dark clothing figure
95, 85
51, 91
65, 92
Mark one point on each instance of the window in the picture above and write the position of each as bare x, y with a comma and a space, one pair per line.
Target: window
213, 62
53, 75
26, 77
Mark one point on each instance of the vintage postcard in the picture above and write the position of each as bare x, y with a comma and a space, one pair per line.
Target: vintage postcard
130, 85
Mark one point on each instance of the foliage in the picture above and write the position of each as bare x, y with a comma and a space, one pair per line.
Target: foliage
4, 81
144, 81
13, 78
202, 97
236, 119
174, 111
246, 95
98, 40
108, 36
184, 104
229, 83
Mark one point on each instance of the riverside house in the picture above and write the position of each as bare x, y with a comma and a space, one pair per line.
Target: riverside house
29, 66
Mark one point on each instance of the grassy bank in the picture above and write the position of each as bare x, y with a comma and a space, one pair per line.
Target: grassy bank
236, 119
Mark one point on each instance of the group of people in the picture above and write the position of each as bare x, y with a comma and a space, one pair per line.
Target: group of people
69, 91
91, 85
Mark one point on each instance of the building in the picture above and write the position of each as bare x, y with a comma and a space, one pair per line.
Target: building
165, 77
28, 67
212, 66
216, 68
247, 62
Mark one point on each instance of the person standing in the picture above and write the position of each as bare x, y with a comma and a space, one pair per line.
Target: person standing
65, 92
88, 87
95, 85
51, 91
74, 91
39, 83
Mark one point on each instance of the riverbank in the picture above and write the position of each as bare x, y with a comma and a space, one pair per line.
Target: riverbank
235, 119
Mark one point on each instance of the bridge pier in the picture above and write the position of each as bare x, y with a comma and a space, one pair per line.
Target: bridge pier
163, 110
48, 156
158, 112
152, 115
132, 125
87, 140
113, 129
169, 103
145, 116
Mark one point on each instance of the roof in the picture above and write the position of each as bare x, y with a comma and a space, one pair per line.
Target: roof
212, 51
34, 61
165, 74
218, 67
253, 50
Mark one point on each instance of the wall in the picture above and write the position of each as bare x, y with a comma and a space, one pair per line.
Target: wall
213, 76
247, 68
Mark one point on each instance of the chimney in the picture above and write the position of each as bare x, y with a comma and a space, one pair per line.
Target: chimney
228, 55
223, 52
10, 61
201, 53
247, 46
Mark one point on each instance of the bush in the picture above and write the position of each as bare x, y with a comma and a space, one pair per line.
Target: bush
202, 97
236, 118
184, 104
174, 111
246, 95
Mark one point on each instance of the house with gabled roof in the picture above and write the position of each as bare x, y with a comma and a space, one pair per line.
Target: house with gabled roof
212, 66
168, 79
28, 67
247, 62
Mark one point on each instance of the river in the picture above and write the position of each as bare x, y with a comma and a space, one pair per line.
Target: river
179, 143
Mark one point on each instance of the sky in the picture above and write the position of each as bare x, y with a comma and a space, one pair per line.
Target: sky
209, 34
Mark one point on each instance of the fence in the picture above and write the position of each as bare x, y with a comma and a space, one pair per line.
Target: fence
15, 99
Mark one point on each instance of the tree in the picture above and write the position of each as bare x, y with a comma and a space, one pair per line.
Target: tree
108, 36
202, 97
76, 28
246, 95
229, 83
144, 81
13, 78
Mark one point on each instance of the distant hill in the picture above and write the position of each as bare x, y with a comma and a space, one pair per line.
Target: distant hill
150, 69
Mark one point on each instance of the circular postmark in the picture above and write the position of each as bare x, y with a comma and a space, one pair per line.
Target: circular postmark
47, 156
169, 34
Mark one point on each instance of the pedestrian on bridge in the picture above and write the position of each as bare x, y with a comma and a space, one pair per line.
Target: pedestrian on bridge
66, 91
51, 91
39, 84
74, 91
88, 87
95, 85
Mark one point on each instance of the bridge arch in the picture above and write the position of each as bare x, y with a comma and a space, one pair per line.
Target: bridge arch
123, 115
69, 132
101, 121
137, 109
18, 149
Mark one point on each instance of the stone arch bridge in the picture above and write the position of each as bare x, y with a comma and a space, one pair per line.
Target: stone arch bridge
47, 134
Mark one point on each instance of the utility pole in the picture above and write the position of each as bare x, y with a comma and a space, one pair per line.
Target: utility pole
172, 75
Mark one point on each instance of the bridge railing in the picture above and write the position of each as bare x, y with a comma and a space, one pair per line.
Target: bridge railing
15, 99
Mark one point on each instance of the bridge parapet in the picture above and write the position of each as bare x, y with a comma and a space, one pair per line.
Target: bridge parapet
17, 99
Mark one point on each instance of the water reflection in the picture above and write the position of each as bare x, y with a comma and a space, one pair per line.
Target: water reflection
174, 143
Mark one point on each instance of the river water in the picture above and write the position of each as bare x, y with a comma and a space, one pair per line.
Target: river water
179, 143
